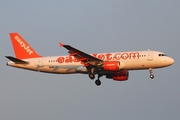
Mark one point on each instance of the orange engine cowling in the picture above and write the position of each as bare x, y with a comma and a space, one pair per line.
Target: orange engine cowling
119, 76
111, 65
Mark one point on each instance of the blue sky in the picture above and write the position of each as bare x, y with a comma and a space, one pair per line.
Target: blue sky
91, 26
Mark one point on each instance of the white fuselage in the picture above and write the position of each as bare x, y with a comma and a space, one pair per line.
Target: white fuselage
68, 64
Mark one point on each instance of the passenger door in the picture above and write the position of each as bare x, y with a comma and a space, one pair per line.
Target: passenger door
149, 55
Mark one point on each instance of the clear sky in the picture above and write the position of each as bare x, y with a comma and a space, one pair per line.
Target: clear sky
91, 26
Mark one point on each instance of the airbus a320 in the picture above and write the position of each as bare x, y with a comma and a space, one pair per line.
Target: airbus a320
115, 66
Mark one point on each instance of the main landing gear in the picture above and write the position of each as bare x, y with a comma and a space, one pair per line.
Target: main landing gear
97, 82
91, 76
151, 75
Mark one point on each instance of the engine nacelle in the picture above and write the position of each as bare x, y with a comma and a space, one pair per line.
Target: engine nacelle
119, 76
113, 65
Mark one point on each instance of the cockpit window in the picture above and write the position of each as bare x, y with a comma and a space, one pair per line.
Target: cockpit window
162, 55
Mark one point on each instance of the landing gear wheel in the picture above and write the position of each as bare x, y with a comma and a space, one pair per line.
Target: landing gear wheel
98, 82
151, 76
91, 76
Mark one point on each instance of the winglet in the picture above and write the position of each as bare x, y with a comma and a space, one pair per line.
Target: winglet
61, 45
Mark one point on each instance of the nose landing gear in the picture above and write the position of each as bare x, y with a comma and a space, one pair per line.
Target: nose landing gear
151, 75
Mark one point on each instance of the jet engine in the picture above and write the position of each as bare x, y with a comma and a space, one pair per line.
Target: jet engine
113, 65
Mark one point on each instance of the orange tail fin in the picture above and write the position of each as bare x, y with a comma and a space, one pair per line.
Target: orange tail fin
21, 48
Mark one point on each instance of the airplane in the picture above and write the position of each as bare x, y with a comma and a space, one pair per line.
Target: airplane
115, 66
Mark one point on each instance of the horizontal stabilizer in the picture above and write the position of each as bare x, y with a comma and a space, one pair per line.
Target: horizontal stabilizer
15, 60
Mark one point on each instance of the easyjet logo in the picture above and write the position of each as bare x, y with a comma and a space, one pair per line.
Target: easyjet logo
107, 56
23, 45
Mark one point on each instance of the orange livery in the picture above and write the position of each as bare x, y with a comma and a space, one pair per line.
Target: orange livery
115, 66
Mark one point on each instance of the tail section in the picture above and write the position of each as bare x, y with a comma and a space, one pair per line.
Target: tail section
21, 48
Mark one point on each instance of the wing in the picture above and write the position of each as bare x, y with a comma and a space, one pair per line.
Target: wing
87, 59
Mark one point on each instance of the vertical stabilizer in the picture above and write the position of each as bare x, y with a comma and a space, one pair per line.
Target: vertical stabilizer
22, 49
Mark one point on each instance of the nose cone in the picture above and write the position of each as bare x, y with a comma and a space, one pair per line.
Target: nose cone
170, 61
